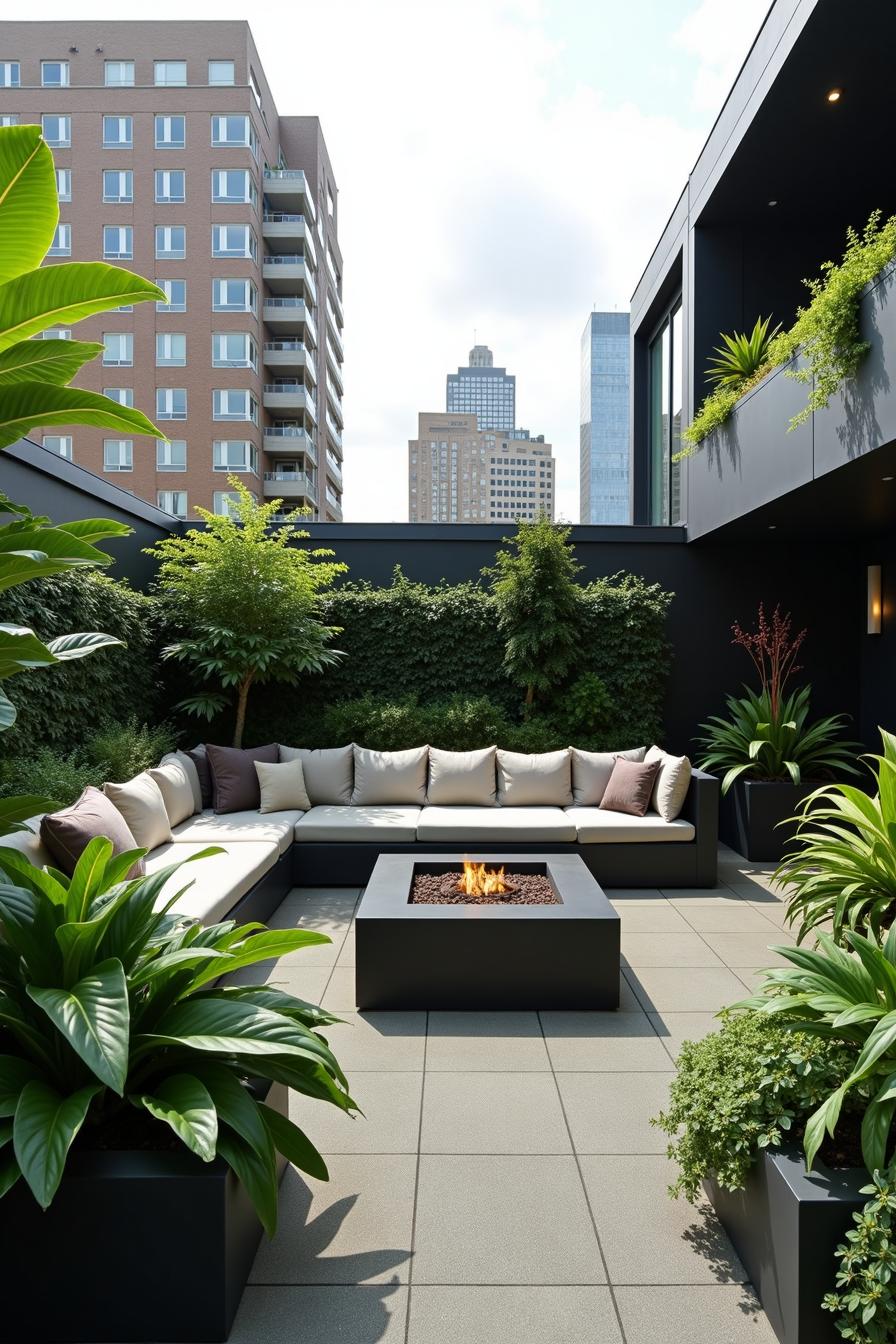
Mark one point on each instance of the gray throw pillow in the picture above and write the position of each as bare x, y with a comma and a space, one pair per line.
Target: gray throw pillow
591, 771
203, 772
234, 779
67, 833
630, 787
328, 773
462, 778
387, 778
141, 803
541, 779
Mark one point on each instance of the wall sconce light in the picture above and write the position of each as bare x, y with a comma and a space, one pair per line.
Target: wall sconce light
874, 600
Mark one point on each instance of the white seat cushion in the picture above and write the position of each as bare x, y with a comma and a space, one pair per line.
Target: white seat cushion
209, 828
596, 826
475, 825
395, 825
218, 882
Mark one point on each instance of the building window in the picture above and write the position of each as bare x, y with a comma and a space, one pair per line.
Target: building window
118, 454
234, 403
225, 502
118, 132
10, 74
119, 348
171, 241
54, 74
173, 501
57, 131
118, 242
171, 456
232, 131
171, 186
118, 186
171, 74
61, 444
233, 186
176, 290
234, 240
171, 132
233, 296
221, 72
171, 403
665, 393
234, 455
233, 350
58, 334
61, 245
64, 183
9, 119
171, 349
123, 395
119, 74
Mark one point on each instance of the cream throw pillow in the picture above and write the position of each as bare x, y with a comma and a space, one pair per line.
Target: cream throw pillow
142, 805
176, 786
390, 778
462, 778
672, 783
591, 771
542, 779
328, 773
282, 787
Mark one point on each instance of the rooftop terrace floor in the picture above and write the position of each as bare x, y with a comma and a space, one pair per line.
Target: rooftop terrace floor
504, 1184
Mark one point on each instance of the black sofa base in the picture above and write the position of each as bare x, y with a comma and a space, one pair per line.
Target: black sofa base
262, 900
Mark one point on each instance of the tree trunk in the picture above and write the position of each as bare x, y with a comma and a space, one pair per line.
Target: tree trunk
529, 701
242, 697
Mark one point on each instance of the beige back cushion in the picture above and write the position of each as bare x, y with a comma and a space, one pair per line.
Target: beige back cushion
390, 777
282, 787
539, 780
462, 778
176, 787
141, 804
591, 771
672, 783
192, 773
328, 773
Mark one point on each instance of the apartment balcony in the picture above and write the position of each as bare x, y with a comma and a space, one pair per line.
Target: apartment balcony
293, 357
295, 486
287, 273
333, 505
334, 469
334, 365
334, 298
290, 398
333, 431
283, 230
334, 332
288, 441
289, 315
335, 401
288, 189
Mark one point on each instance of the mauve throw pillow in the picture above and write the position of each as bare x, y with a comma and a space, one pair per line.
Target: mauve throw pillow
235, 785
200, 759
67, 833
630, 787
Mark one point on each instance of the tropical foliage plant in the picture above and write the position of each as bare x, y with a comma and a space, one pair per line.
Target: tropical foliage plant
247, 601
740, 356
847, 995
842, 869
740, 1090
865, 1300
112, 1015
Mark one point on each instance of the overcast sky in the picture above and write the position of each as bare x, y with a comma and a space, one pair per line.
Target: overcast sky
503, 167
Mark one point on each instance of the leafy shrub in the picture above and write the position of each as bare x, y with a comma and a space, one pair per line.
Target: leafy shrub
866, 1299
459, 724
740, 1090
124, 749
105, 688
741, 356
48, 774
585, 709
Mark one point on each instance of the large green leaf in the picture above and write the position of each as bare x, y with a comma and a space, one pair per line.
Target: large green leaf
21, 649
29, 206
15, 1074
182, 1102
257, 1175
64, 294
65, 647
45, 1125
236, 1107
36, 361
26, 406
94, 1017
266, 946
295, 1145
7, 712
215, 1024
15, 811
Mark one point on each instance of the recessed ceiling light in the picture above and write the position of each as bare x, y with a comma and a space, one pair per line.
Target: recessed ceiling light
886, 478
773, 202
772, 526
835, 95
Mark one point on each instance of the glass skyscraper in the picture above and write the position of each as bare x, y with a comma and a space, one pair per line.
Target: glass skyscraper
604, 421
483, 391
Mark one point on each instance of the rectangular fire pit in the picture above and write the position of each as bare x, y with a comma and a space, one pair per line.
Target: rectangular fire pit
563, 954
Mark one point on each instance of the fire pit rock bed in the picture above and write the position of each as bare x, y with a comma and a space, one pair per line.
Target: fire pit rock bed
495, 887
490, 952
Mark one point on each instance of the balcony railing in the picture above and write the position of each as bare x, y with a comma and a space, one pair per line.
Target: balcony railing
281, 217
334, 430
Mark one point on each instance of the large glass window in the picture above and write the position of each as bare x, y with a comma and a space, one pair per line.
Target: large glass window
61, 245
176, 290
233, 296
54, 74
171, 349
171, 186
171, 241
118, 242
233, 240
234, 455
233, 130
57, 131
171, 403
169, 74
221, 72
233, 186
123, 395
118, 186
173, 501
119, 74
171, 132
171, 456
10, 74
118, 132
665, 385
59, 443
118, 454
234, 403
64, 183
119, 348
233, 350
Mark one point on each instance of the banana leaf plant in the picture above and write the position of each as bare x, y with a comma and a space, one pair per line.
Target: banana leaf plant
111, 1013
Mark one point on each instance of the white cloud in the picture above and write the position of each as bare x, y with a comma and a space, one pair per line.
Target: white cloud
718, 34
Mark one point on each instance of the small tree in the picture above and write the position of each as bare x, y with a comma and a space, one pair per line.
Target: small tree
247, 601
539, 605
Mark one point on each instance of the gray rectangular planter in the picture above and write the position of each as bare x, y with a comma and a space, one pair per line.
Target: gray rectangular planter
786, 1225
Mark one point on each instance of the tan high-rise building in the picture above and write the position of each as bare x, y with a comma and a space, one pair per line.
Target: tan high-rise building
172, 161
458, 473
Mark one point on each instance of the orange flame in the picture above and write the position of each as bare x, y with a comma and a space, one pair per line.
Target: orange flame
477, 880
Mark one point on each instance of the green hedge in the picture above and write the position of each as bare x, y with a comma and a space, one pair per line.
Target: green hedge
59, 706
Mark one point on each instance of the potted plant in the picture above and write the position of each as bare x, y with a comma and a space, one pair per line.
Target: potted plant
143, 1102
771, 754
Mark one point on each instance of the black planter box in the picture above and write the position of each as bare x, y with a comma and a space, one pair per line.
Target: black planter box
786, 1225
486, 956
136, 1246
750, 814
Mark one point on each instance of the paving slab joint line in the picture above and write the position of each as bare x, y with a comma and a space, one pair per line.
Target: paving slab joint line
410, 1284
